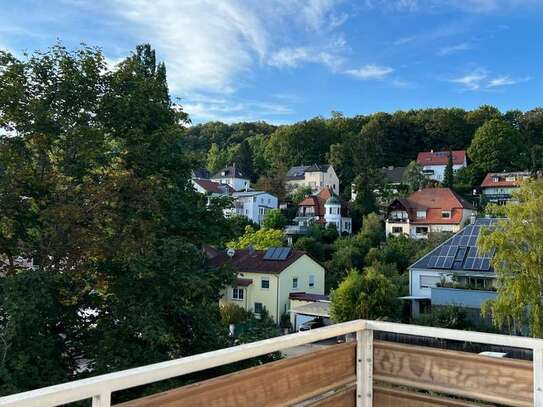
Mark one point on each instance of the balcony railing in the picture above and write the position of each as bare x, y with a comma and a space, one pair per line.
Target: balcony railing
364, 372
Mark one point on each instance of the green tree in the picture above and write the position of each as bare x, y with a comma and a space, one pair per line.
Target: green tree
414, 177
97, 162
517, 262
496, 147
274, 220
216, 159
366, 295
448, 176
244, 159
260, 239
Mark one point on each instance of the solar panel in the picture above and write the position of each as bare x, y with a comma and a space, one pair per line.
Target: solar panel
277, 253
432, 261
283, 253
270, 253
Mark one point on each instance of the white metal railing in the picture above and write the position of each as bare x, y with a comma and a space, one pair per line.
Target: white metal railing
99, 388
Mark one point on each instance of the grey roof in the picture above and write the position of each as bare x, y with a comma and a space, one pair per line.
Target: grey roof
298, 172
460, 252
393, 175
229, 172
200, 173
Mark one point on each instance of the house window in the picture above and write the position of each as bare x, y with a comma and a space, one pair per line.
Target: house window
265, 283
446, 214
311, 281
421, 231
295, 282
258, 308
397, 229
237, 294
421, 214
429, 281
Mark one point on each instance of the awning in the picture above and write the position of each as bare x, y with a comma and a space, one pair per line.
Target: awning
243, 282
317, 309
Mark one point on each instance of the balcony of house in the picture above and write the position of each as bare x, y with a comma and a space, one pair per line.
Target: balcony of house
465, 297
361, 372
296, 230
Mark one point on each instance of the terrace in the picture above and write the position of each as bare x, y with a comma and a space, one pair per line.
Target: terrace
362, 372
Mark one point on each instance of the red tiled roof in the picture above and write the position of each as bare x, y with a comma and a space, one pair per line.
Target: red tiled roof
243, 282
434, 201
318, 201
303, 296
502, 181
441, 157
245, 262
213, 187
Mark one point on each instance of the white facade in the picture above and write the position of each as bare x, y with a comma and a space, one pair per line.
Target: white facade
419, 231
437, 172
254, 204
333, 216
239, 184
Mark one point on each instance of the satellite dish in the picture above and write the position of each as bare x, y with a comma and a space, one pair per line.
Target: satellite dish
230, 252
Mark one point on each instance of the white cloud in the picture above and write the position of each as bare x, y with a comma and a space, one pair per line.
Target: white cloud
453, 49
472, 80
202, 109
471, 6
369, 72
294, 57
505, 81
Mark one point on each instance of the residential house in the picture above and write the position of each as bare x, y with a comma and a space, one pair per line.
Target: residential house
213, 189
429, 210
498, 187
316, 177
254, 204
265, 279
433, 163
454, 273
325, 208
232, 176
200, 173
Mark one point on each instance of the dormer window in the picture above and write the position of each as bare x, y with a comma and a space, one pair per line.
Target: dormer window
421, 214
495, 179
446, 214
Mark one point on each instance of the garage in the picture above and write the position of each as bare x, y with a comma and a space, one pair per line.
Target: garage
307, 312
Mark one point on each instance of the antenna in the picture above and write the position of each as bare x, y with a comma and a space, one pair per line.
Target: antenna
230, 252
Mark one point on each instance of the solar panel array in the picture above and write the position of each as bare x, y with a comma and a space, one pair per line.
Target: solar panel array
277, 253
460, 252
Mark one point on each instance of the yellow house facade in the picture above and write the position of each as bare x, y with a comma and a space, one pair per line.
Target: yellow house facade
265, 282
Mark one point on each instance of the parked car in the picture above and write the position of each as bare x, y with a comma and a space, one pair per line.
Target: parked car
313, 324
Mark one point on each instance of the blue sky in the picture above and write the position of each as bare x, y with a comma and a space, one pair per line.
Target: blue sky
289, 60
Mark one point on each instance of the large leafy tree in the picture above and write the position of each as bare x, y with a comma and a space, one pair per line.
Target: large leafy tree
497, 146
364, 295
95, 187
448, 176
517, 261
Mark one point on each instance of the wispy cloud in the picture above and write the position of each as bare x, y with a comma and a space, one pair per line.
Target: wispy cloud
294, 57
479, 79
472, 80
470, 6
202, 108
453, 49
505, 81
370, 72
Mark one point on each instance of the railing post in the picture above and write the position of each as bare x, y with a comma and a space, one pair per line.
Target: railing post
102, 400
364, 368
538, 377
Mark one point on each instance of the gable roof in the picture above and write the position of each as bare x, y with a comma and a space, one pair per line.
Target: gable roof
298, 172
433, 201
245, 261
214, 187
229, 172
318, 200
393, 175
502, 181
441, 157
459, 253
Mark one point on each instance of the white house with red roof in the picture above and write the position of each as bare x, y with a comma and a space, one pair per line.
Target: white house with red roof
498, 187
214, 189
427, 211
232, 176
325, 208
433, 163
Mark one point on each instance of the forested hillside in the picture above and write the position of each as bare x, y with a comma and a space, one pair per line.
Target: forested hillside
357, 145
